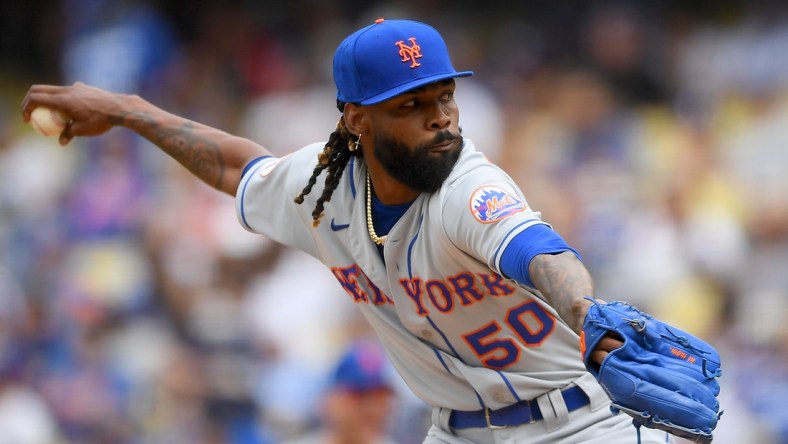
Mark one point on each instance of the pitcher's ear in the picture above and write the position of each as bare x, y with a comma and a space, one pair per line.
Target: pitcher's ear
354, 119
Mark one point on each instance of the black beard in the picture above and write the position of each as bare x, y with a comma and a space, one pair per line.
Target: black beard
417, 168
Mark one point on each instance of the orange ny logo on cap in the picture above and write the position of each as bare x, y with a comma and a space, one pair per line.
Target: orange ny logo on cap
410, 53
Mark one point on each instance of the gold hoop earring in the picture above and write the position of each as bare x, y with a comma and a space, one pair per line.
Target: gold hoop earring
353, 145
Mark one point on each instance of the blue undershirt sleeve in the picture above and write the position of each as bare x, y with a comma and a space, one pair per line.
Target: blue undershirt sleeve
533, 241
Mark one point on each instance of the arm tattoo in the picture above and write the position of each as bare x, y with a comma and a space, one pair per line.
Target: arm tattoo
564, 282
200, 155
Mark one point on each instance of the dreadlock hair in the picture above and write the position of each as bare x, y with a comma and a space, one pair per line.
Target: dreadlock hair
334, 159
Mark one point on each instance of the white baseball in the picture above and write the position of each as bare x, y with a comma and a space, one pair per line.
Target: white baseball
48, 122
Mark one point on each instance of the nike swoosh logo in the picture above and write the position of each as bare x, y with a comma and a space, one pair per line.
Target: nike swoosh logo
338, 227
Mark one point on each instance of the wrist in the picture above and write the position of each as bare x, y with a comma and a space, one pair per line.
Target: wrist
579, 312
129, 110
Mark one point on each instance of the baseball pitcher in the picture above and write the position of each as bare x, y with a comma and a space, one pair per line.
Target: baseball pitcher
485, 311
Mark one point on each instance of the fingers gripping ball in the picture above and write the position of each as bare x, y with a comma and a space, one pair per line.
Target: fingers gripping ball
48, 122
663, 377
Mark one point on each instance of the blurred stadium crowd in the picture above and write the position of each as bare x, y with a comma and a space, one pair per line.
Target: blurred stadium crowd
134, 309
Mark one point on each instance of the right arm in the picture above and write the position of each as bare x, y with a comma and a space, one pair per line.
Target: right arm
214, 156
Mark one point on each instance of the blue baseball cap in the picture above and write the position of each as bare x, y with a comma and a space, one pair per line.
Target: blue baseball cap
388, 58
362, 367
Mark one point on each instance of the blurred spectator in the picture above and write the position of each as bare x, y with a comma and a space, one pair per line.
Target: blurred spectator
296, 295
119, 45
356, 407
25, 417
616, 45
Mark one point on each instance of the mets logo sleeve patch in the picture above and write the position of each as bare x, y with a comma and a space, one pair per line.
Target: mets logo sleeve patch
491, 203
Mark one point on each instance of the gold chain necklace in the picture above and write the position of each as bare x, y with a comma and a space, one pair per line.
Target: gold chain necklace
378, 240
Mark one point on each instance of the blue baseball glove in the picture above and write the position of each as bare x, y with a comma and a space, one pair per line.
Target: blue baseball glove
663, 377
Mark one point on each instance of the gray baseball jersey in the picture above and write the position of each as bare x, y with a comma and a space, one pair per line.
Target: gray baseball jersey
460, 335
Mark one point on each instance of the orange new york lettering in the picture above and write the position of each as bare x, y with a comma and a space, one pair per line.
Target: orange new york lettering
464, 284
440, 296
347, 277
379, 298
496, 285
413, 290
353, 280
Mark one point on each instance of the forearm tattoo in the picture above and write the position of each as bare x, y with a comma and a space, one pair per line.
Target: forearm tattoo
564, 282
200, 155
